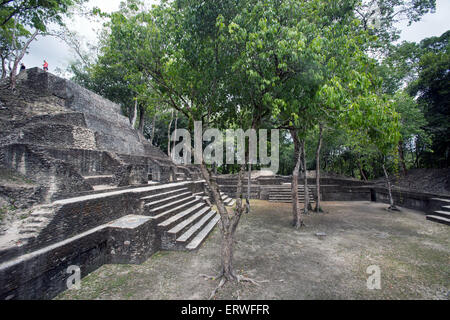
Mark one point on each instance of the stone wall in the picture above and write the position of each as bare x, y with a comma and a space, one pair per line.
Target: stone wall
114, 132
43, 274
413, 200
55, 176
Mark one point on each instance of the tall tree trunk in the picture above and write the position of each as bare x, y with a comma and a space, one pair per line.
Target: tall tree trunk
249, 188
361, 171
319, 146
297, 221
133, 118
305, 178
388, 182
18, 57
152, 136
168, 135
4, 72
228, 222
141, 119
402, 158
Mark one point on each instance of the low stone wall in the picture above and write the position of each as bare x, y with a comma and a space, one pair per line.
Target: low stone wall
423, 202
43, 274
353, 191
345, 193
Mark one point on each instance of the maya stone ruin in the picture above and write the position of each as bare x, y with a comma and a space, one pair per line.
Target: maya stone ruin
91, 190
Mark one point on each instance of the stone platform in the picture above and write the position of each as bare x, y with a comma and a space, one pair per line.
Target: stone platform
123, 226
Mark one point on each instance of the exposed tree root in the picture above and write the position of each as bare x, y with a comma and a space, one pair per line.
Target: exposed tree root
252, 281
298, 225
393, 208
221, 284
208, 277
224, 280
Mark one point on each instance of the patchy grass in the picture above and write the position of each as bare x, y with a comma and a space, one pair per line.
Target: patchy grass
413, 255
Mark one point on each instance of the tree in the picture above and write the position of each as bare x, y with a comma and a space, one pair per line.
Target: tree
36, 14
17, 17
432, 90
379, 17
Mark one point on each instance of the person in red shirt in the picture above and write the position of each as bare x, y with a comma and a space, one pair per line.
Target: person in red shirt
45, 65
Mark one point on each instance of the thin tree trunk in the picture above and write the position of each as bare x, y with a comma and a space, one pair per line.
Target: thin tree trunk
402, 157
305, 178
249, 182
141, 119
152, 136
18, 57
297, 221
361, 171
388, 182
4, 72
228, 222
133, 118
176, 122
319, 146
168, 135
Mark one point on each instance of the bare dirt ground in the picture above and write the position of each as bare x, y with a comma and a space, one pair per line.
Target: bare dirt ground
412, 253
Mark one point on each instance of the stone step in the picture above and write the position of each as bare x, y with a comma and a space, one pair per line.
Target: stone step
159, 203
194, 229
287, 191
199, 194
440, 199
287, 195
179, 216
167, 214
443, 214
290, 201
288, 188
187, 223
163, 195
201, 236
438, 219
169, 206
288, 198
230, 204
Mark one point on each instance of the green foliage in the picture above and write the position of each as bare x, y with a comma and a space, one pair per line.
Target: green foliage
34, 14
433, 90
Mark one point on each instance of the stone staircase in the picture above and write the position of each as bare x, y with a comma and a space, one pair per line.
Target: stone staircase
183, 219
283, 193
227, 201
38, 219
441, 216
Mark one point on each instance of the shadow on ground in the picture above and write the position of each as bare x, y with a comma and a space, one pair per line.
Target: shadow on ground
412, 253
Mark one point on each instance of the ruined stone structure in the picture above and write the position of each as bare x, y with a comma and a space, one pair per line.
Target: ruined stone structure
93, 191
96, 191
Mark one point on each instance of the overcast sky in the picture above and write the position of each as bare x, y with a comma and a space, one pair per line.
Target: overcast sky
59, 55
